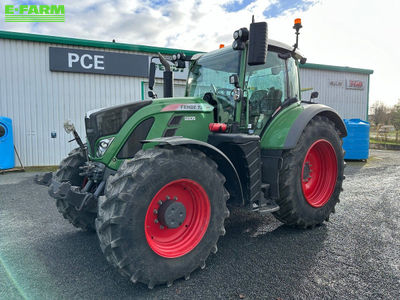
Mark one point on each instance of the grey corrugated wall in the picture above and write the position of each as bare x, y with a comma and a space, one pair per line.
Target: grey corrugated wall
348, 103
38, 101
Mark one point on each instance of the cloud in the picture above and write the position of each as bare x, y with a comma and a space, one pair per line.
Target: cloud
357, 33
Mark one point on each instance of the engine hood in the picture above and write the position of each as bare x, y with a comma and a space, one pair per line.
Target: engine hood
109, 121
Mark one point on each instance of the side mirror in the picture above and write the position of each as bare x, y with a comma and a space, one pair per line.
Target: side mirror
314, 95
152, 75
234, 79
258, 44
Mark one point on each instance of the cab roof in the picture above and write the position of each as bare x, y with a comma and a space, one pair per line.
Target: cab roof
271, 42
284, 46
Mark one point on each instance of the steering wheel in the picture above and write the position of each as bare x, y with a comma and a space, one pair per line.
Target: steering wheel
225, 94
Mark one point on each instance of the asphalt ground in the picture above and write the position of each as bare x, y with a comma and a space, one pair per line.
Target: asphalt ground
354, 256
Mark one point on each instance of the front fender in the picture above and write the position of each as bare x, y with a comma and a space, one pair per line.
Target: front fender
225, 166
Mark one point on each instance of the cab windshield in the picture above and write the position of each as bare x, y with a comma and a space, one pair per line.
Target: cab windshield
210, 74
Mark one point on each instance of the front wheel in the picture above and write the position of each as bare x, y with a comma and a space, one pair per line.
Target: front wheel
162, 214
69, 172
311, 177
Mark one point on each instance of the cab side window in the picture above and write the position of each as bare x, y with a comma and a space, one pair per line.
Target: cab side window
266, 89
293, 76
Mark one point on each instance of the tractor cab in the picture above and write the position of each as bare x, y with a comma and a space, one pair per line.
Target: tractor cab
248, 84
264, 88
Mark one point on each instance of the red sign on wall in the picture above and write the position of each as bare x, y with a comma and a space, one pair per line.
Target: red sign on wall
354, 84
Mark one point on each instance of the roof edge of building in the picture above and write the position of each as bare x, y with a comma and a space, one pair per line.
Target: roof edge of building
88, 43
142, 48
336, 68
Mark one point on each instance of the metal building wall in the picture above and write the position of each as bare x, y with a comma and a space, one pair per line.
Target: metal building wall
331, 85
38, 101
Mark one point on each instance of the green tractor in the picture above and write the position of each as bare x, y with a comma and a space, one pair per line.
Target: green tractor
156, 177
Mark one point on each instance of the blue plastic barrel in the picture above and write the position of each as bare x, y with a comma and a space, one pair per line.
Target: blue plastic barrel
6, 144
356, 143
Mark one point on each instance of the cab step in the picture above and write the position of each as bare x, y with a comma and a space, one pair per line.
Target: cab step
266, 205
269, 207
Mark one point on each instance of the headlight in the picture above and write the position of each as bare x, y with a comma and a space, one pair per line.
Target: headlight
103, 146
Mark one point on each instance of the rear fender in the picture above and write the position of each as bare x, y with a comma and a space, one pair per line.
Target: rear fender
309, 112
284, 132
225, 166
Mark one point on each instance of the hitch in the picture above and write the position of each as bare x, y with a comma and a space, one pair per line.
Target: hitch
81, 199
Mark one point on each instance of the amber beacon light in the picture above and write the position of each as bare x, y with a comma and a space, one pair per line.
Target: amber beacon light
297, 24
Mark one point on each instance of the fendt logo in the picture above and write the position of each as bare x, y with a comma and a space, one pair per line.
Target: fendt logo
34, 13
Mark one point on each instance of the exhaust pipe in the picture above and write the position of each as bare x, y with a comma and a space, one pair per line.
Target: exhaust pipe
168, 77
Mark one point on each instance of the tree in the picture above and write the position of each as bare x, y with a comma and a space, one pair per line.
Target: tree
395, 118
380, 113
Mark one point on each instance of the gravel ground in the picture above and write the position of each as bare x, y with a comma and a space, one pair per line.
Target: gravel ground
354, 256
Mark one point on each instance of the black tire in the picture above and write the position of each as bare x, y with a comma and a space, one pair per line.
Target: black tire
122, 213
295, 210
69, 171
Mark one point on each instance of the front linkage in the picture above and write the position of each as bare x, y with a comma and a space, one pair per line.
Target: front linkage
85, 198
82, 198
92, 179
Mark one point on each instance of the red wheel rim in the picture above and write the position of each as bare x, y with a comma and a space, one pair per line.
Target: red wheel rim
319, 172
175, 242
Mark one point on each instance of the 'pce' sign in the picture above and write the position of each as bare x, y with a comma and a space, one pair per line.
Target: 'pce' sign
354, 84
86, 60
97, 62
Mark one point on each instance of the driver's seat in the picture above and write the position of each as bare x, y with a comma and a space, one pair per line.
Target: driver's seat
272, 101
256, 98
264, 102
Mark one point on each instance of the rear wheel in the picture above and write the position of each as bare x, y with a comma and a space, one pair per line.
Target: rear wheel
311, 176
69, 171
162, 214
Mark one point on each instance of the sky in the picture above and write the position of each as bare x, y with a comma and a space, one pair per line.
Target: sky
354, 33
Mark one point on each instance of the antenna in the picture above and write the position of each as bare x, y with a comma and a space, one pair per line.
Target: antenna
252, 19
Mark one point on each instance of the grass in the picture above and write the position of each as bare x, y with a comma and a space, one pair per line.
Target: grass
375, 141
41, 169
388, 135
